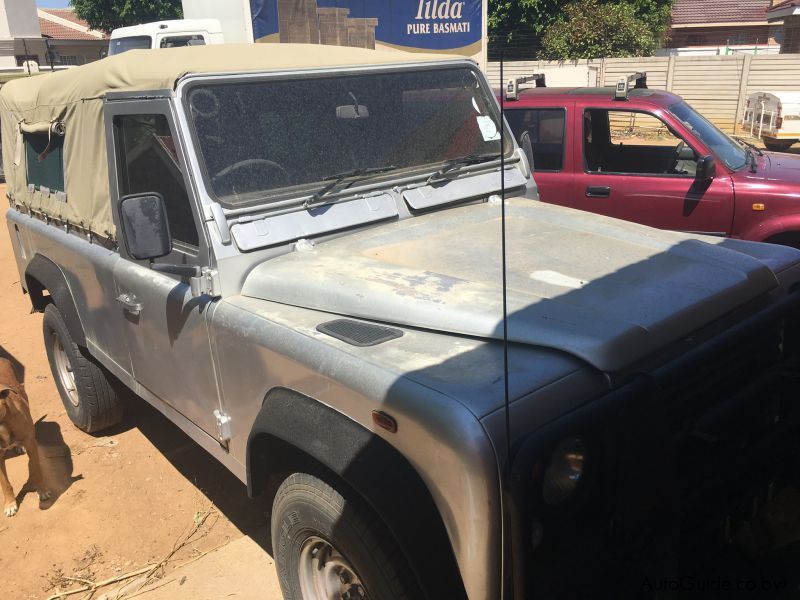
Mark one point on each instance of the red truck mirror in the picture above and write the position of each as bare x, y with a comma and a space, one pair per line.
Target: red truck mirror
706, 169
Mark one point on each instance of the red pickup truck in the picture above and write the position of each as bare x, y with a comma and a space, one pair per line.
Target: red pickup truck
647, 156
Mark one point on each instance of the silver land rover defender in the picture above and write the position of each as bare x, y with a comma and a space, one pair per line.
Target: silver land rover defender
294, 253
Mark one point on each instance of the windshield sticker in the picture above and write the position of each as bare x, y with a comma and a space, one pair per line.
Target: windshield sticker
488, 128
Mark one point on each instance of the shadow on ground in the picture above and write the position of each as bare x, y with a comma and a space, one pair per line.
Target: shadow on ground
224, 489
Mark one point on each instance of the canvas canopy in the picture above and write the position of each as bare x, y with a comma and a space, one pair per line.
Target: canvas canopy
70, 103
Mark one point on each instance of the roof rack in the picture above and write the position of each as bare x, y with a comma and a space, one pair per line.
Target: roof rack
512, 89
623, 85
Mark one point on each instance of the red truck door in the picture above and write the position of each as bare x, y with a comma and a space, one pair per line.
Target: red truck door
547, 128
630, 164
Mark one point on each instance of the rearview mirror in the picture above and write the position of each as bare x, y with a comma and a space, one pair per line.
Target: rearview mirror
352, 111
145, 228
706, 169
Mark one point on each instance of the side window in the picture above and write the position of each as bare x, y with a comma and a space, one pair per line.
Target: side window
630, 142
148, 162
178, 41
545, 126
44, 158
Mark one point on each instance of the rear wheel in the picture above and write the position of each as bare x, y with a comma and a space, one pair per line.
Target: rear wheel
85, 386
330, 545
778, 145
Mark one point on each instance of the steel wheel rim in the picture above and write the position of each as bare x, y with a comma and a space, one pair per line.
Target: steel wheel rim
327, 575
64, 370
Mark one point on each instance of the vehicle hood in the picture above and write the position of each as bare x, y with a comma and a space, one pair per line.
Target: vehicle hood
607, 291
776, 166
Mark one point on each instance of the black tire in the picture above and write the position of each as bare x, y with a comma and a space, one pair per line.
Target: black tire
94, 403
778, 145
307, 508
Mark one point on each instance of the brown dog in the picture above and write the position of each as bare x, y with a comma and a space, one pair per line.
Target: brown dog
16, 430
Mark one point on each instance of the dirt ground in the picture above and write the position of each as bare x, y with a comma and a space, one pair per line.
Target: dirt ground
122, 500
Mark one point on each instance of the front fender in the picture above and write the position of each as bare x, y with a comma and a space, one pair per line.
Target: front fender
778, 225
291, 424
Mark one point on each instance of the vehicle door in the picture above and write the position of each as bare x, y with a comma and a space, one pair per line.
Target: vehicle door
631, 164
546, 130
165, 327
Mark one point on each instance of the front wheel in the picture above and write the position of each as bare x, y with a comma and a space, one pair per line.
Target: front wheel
328, 544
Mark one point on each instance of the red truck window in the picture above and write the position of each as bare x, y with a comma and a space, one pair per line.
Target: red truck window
545, 126
632, 142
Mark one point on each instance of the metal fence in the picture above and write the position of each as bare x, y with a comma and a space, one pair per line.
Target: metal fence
717, 86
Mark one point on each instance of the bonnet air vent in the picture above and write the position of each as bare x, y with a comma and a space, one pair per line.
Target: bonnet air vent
358, 333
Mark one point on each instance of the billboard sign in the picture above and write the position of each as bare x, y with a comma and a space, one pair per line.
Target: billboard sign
451, 26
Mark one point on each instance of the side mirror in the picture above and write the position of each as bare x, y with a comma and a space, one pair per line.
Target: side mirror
527, 146
706, 169
145, 228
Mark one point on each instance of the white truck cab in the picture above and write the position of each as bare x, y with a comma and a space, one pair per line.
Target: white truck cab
166, 34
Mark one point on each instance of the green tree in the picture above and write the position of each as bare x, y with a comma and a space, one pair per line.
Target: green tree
590, 29
517, 28
107, 15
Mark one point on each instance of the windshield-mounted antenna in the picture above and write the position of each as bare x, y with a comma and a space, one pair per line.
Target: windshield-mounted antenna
505, 288
506, 396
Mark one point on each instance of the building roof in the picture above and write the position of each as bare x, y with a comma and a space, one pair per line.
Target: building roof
704, 12
783, 9
66, 13
785, 4
63, 24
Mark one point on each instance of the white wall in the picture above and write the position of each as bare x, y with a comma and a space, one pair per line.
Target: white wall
18, 18
233, 15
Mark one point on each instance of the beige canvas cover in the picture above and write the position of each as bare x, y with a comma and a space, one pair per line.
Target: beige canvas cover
73, 99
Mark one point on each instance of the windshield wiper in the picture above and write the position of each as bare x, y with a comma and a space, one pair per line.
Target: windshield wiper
337, 178
750, 152
455, 163
750, 145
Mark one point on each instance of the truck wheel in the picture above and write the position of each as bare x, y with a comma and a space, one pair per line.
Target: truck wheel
778, 145
85, 387
328, 544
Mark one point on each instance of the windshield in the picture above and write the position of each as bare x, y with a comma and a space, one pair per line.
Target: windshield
726, 149
261, 141
123, 44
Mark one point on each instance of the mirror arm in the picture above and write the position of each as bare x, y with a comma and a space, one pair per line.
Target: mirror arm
180, 270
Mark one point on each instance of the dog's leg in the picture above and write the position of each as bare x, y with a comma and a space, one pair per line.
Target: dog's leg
10, 499
35, 469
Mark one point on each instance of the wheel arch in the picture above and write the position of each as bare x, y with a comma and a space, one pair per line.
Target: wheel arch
786, 238
293, 432
41, 275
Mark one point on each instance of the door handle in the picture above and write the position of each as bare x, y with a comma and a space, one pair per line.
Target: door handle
130, 303
598, 191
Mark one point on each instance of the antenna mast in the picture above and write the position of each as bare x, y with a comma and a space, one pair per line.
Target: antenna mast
506, 398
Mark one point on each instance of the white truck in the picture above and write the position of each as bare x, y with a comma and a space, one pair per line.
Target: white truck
774, 117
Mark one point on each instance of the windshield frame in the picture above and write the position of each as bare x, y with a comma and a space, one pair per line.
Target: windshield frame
696, 133
294, 199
